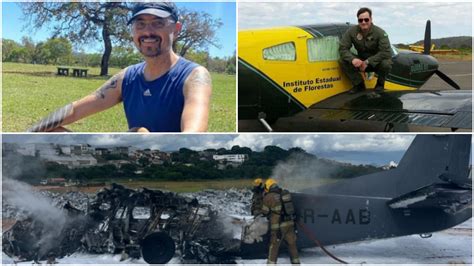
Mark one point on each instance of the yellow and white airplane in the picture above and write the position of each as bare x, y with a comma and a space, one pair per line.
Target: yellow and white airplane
294, 71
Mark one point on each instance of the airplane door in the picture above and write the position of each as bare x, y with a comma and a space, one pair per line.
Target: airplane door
283, 68
268, 60
322, 70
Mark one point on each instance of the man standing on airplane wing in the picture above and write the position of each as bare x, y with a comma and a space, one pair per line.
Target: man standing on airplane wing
373, 52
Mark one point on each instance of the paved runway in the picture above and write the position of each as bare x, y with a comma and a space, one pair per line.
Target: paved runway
459, 71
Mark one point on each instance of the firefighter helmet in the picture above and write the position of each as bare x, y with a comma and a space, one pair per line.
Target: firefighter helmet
269, 183
258, 182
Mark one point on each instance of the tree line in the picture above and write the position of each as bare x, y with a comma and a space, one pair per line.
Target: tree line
83, 23
59, 51
185, 164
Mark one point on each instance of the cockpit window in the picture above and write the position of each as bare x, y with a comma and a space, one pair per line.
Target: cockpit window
323, 49
281, 52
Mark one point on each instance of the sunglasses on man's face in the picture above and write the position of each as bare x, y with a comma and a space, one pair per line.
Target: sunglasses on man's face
364, 20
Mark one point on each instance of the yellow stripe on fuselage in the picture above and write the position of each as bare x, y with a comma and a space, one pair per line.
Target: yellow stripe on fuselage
395, 86
308, 82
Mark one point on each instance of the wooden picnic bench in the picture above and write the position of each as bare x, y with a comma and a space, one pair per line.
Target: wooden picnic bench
63, 71
76, 72
79, 72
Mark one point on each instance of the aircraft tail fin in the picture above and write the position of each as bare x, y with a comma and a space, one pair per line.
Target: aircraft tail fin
430, 160
436, 158
458, 168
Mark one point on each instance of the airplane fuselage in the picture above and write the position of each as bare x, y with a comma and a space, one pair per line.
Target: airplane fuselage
430, 190
338, 219
286, 70
341, 219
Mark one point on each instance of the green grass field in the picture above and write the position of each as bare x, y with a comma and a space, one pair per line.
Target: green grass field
199, 185
187, 186
174, 186
179, 186
463, 56
30, 92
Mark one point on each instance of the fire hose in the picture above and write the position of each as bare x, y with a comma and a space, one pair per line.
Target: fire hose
312, 237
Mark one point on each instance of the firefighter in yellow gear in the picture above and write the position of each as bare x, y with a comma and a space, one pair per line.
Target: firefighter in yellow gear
279, 209
257, 197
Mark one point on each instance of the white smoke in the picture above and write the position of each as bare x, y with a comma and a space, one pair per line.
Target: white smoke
255, 229
230, 226
390, 165
16, 166
39, 208
300, 172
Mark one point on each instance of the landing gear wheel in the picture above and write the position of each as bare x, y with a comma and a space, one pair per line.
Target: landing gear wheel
158, 248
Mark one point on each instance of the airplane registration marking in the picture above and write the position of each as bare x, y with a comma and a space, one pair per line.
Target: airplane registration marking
419, 68
361, 216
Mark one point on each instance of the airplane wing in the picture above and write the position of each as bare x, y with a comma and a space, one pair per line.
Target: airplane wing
445, 109
451, 199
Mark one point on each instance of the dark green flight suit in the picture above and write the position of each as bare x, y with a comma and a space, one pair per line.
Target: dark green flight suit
375, 47
282, 227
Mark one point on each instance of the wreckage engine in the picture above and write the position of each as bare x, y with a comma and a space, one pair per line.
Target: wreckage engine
148, 223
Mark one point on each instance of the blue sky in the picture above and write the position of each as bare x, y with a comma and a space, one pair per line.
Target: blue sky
13, 25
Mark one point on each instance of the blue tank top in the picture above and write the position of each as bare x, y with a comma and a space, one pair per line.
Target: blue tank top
156, 105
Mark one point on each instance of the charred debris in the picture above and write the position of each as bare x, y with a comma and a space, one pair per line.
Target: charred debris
152, 224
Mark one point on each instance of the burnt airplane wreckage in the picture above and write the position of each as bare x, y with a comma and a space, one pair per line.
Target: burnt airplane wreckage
430, 190
148, 223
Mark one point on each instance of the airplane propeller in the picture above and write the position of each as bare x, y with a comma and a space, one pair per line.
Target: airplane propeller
427, 41
426, 51
447, 79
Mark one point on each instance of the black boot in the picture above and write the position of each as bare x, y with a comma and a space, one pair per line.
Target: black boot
357, 88
379, 87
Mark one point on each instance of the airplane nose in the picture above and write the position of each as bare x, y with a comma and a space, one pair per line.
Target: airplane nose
432, 67
422, 67
425, 63
431, 62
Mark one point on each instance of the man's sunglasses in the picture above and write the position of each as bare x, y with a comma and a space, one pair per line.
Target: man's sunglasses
364, 20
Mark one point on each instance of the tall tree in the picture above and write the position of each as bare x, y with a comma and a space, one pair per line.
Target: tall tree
59, 50
199, 31
230, 68
8, 48
83, 22
123, 56
28, 49
87, 22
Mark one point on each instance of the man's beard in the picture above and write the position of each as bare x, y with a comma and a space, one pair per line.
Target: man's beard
150, 51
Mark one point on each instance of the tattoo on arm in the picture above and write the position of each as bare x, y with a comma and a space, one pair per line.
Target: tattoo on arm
111, 84
53, 120
201, 78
